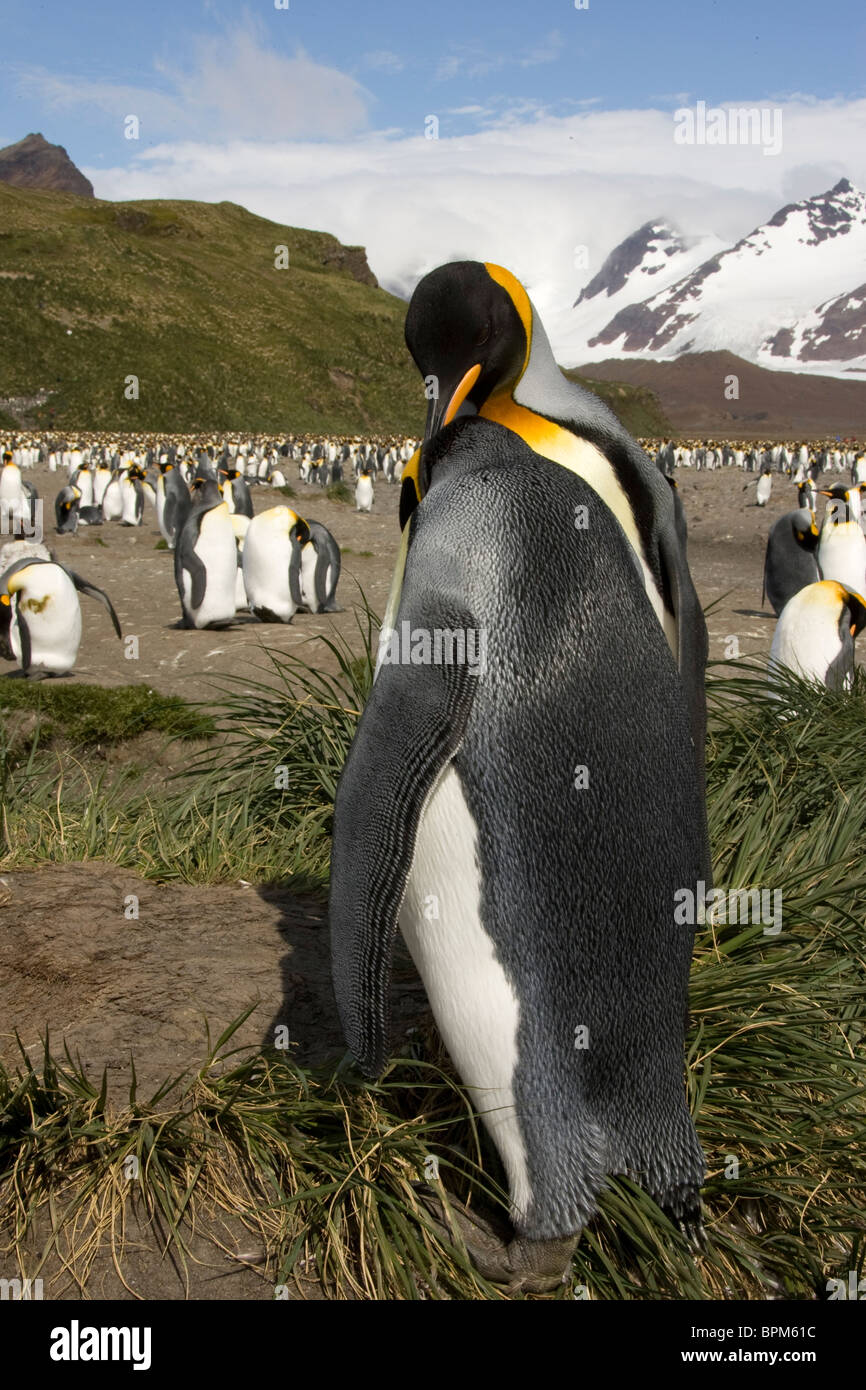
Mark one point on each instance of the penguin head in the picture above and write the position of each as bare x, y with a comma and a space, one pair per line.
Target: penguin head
844, 504
469, 331
468, 326
204, 491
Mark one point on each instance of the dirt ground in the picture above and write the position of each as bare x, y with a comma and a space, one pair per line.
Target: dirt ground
727, 536
109, 986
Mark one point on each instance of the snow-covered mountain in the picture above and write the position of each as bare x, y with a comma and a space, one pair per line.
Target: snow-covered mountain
789, 296
648, 262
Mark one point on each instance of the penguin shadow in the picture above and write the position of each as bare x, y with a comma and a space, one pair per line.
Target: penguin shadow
240, 620
755, 613
307, 1023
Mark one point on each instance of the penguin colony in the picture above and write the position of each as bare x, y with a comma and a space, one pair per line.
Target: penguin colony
814, 576
226, 560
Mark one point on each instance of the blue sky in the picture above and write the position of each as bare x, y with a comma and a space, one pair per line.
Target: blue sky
555, 133
402, 61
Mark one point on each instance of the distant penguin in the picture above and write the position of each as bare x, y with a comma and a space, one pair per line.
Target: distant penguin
842, 544
206, 562
66, 506
364, 492
15, 496
815, 634
82, 478
40, 616
236, 493
764, 488
101, 479
112, 500
132, 497
272, 564
320, 570
478, 782
807, 494
176, 503
791, 557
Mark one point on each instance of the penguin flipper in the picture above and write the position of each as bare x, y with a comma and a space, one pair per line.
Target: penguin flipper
412, 726
84, 587
26, 646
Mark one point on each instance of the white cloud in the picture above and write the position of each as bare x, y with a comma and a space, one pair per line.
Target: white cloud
234, 85
523, 193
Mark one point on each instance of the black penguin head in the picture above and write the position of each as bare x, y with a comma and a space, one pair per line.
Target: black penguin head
204, 491
469, 330
853, 615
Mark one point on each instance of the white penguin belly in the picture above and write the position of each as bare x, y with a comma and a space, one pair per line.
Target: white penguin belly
217, 549
309, 560
266, 559
843, 557
475, 1006
129, 499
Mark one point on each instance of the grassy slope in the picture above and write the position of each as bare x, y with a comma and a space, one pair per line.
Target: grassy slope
637, 407
186, 297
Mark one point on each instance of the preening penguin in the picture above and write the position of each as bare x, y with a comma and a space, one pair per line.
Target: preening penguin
815, 634
66, 507
40, 616
501, 799
206, 561
474, 332
320, 570
272, 564
791, 558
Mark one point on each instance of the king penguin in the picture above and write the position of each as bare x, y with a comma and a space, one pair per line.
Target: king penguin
272, 564
176, 502
320, 570
522, 796
764, 488
791, 557
815, 634
206, 561
40, 616
842, 544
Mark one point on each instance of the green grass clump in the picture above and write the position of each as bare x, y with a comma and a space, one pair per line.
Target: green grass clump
87, 714
339, 492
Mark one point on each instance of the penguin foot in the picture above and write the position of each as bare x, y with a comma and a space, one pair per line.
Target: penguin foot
521, 1264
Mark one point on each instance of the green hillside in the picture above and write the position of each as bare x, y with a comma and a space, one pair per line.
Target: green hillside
186, 297
637, 407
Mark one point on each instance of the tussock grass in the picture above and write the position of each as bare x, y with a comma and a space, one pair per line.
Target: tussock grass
325, 1170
